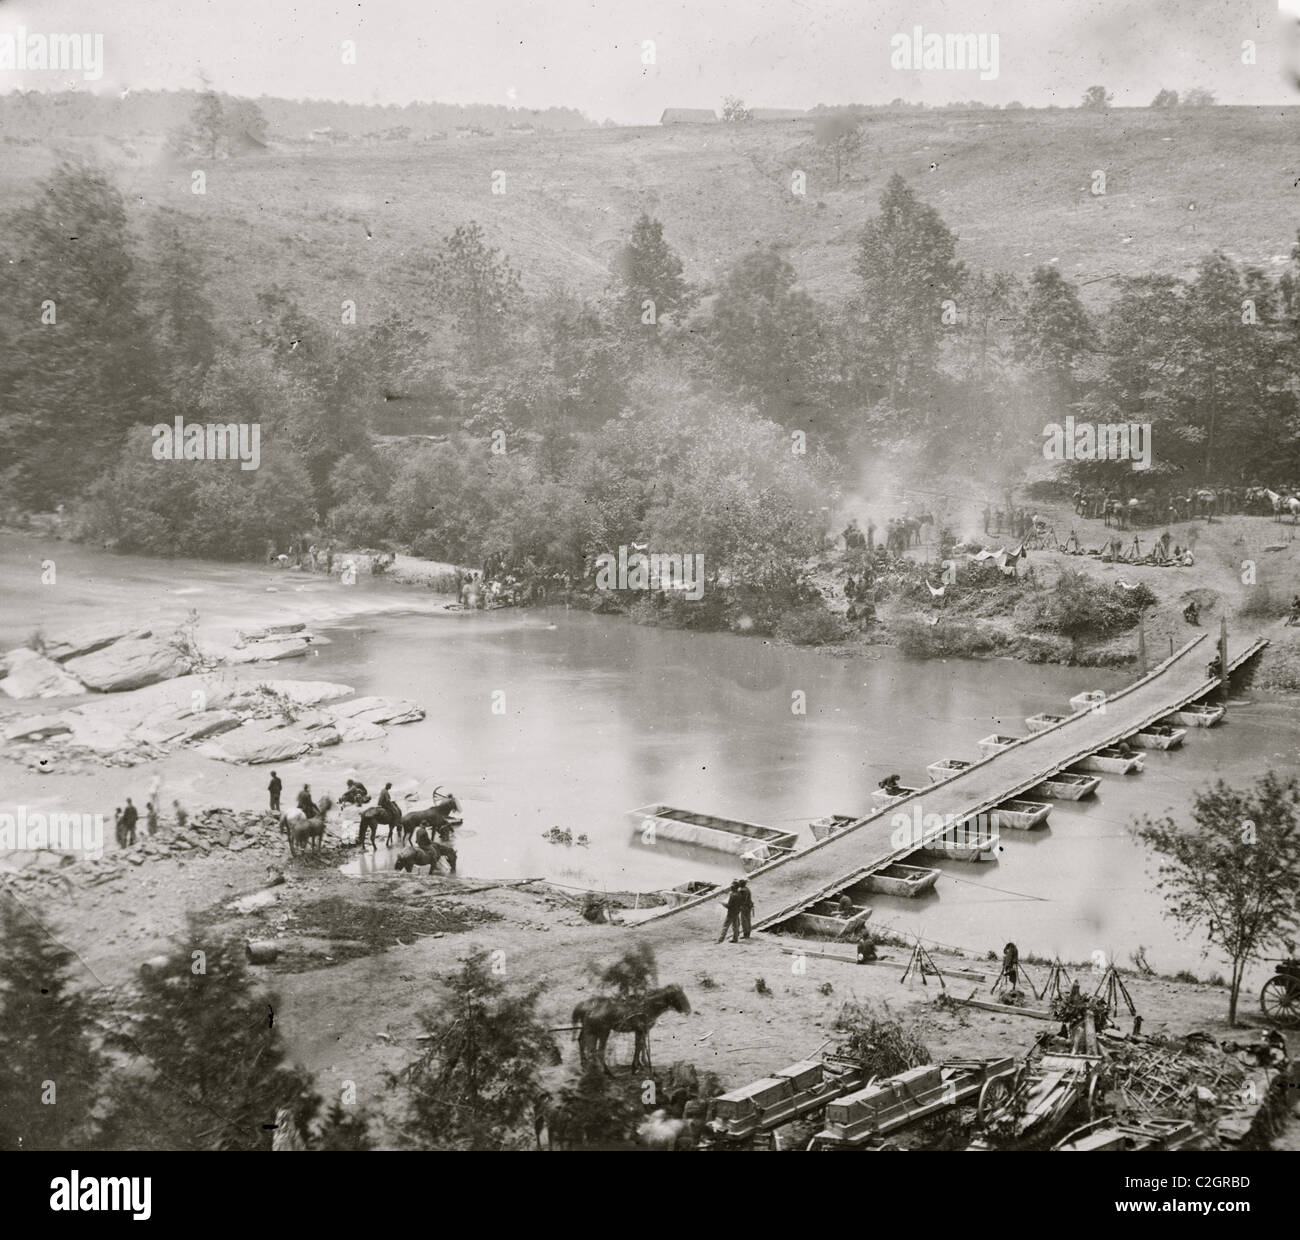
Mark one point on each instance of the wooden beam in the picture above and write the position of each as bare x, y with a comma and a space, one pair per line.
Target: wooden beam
884, 961
985, 1006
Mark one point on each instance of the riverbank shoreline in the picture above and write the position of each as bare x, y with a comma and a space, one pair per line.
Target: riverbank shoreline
356, 957
1246, 569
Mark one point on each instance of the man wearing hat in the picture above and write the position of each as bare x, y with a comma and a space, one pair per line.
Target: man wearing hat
732, 923
746, 908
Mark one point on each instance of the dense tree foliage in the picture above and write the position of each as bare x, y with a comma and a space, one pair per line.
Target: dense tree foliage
51, 1055
483, 417
1232, 872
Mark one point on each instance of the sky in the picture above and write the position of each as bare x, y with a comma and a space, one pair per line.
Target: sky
591, 55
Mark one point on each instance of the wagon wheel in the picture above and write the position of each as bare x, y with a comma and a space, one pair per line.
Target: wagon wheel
995, 1094
1279, 1000
1095, 1096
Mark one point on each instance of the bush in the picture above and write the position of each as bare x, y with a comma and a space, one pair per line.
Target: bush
1260, 604
810, 626
946, 639
1079, 606
1037, 648
879, 1041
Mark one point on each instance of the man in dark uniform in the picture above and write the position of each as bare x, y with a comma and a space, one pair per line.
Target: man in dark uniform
356, 793
1010, 966
129, 816
866, 947
733, 913
746, 909
274, 789
305, 803
385, 803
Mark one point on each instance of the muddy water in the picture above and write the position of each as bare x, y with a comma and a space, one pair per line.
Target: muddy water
563, 719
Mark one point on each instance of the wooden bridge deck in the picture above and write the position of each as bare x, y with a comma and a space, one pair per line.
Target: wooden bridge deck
784, 887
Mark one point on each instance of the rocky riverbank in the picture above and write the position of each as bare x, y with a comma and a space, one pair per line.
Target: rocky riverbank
141, 695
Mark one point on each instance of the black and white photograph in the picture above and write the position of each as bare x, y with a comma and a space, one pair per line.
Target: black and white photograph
712, 577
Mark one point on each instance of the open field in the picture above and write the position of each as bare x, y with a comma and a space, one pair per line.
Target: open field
352, 220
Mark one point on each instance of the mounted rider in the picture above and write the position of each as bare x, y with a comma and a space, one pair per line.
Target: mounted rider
306, 804
392, 815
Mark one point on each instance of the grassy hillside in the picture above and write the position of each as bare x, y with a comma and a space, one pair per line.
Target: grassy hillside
332, 222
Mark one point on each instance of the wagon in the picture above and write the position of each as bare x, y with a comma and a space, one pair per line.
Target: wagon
774, 1100
1158, 736
945, 768
1151, 1133
1039, 1098
1111, 760
1021, 814
1067, 786
1036, 723
989, 745
1279, 999
896, 1102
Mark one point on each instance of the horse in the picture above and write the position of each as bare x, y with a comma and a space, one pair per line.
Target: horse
438, 817
370, 820
409, 858
303, 831
660, 1131
598, 1017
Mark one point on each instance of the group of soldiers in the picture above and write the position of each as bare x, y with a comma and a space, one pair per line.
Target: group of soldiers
740, 911
900, 534
1013, 522
127, 817
356, 794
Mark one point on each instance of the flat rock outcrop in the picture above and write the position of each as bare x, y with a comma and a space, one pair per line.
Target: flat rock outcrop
130, 663
31, 675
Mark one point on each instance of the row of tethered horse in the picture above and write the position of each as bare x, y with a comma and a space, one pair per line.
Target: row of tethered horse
977, 838
1186, 506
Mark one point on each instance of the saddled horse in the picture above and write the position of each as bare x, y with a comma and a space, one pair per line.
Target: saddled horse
598, 1017
440, 817
370, 820
304, 832
1282, 504
409, 858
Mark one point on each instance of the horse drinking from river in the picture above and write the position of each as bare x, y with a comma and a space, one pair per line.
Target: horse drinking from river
440, 817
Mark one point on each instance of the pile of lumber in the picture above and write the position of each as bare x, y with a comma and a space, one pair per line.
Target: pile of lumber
1191, 1078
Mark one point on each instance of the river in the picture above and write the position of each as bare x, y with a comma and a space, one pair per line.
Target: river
559, 718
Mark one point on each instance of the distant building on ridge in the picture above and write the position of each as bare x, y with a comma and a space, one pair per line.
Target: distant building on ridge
689, 116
